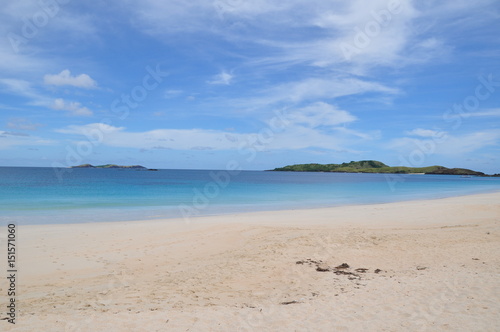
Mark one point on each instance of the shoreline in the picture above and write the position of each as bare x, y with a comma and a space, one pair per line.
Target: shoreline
295, 217
437, 264
327, 208
230, 212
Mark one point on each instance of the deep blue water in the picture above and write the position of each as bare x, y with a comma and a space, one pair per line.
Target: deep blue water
39, 196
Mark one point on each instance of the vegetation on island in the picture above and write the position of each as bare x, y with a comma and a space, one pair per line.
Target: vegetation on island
373, 166
109, 166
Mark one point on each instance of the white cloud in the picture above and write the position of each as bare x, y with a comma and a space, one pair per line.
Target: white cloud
449, 145
21, 88
177, 139
22, 53
65, 78
316, 88
172, 93
425, 133
368, 33
24, 88
92, 127
224, 78
13, 139
336, 21
367, 136
74, 108
492, 112
310, 33
470, 142
320, 114
22, 124
295, 135
485, 113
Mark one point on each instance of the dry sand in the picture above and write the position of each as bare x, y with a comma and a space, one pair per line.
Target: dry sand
439, 263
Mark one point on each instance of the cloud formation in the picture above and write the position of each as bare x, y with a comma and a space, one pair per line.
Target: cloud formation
15, 139
321, 114
65, 78
300, 129
22, 124
446, 144
406, 63
425, 133
224, 78
74, 108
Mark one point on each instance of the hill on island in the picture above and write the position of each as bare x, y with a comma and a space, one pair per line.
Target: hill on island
109, 166
373, 166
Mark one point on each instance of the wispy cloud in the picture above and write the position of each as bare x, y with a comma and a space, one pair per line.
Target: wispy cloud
288, 55
447, 145
27, 25
390, 41
316, 88
21, 88
425, 133
223, 78
172, 93
299, 133
320, 114
22, 124
13, 139
25, 89
492, 112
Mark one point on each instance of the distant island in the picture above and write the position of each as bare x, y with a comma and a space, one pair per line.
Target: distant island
109, 166
373, 166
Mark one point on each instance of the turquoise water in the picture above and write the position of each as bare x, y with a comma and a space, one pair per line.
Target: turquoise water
45, 195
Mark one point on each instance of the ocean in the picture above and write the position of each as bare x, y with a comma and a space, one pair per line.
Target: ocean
37, 195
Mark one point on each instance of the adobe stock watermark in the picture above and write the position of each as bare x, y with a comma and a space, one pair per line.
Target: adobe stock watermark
48, 9
250, 148
372, 29
454, 117
120, 108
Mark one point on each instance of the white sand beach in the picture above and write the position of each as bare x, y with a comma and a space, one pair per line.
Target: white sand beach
430, 266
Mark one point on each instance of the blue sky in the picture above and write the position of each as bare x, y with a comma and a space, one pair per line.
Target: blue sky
203, 84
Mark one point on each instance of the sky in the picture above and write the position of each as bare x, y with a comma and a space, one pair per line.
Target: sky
257, 84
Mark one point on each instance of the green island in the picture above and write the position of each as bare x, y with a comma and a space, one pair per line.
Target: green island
109, 166
373, 166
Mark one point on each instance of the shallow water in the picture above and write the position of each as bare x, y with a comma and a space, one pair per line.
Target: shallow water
33, 195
